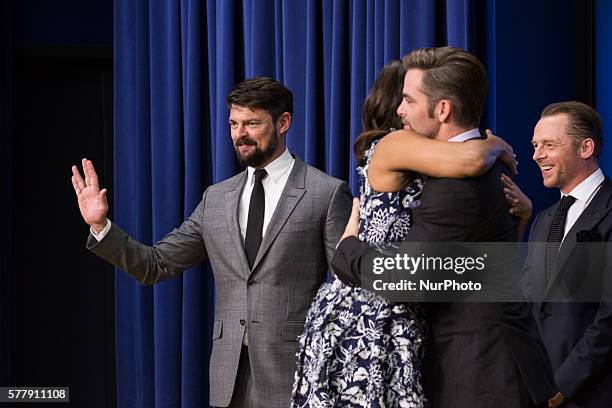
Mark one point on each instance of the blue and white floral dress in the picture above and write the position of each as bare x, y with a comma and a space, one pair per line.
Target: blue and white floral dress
358, 349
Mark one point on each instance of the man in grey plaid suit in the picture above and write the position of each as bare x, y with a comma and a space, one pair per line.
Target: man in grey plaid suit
269, 233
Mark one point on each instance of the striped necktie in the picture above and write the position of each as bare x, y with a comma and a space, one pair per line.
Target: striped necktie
555, 236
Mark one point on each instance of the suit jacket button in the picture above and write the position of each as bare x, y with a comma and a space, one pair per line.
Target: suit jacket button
250, 282
242, 322
543, 315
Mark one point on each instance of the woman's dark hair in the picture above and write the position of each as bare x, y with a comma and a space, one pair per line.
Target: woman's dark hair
379, 109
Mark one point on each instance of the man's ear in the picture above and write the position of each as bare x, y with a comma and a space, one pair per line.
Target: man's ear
443, 110
283, 123
587, 148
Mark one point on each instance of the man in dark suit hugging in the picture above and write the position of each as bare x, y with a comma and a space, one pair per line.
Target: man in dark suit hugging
480, 354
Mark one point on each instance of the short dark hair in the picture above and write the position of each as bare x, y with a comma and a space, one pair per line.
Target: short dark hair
262, 93
583, 122
455, 74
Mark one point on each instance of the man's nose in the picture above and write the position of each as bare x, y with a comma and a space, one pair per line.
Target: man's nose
241, 130
400, 110
537, 154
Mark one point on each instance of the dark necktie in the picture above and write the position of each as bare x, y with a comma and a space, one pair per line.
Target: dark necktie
255, 221
555, 236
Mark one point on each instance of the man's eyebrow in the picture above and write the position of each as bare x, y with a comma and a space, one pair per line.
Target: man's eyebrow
545, 140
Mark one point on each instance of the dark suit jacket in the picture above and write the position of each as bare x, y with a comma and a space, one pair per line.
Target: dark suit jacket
480, 354
577, 335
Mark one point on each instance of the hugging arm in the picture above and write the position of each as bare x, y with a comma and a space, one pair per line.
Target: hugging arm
520, 204
405, 150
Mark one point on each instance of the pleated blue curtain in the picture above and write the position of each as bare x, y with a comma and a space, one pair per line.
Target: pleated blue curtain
603, 81
175, 61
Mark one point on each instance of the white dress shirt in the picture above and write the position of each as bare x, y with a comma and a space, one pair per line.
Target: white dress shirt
102, 233
583, 193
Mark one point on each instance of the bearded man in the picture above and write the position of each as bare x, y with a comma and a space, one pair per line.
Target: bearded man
269, 233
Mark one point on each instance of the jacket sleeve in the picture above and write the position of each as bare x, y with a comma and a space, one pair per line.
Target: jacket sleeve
337, 215
173, 254
346, 262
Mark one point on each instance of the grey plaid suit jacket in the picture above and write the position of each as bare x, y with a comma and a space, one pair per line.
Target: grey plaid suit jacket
269, 300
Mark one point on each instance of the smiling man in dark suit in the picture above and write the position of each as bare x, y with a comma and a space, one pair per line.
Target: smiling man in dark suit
567, 142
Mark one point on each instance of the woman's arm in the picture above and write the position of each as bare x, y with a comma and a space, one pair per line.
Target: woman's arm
405, 150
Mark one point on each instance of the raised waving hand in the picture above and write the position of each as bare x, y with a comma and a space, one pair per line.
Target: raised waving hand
92, 201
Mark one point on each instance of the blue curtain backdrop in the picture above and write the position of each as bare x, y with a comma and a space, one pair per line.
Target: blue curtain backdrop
603, 79
175, 61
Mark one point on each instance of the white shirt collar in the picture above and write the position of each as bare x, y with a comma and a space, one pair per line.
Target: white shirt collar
276, 168
470, 134
585, 190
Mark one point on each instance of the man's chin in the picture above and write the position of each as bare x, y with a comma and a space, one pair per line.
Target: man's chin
244, 159
250, 160
246, 162
254, 157
550, 183
244, 156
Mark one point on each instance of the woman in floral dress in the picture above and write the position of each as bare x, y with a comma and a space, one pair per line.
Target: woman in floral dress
358, 349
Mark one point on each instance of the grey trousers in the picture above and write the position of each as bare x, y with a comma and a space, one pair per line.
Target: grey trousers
244, 395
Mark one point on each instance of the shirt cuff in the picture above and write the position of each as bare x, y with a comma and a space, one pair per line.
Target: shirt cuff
99, 237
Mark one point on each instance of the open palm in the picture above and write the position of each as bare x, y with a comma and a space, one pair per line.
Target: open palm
92, 201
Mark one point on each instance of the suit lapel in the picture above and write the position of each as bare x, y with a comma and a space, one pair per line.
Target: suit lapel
589, 218
232, 198
292, 194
